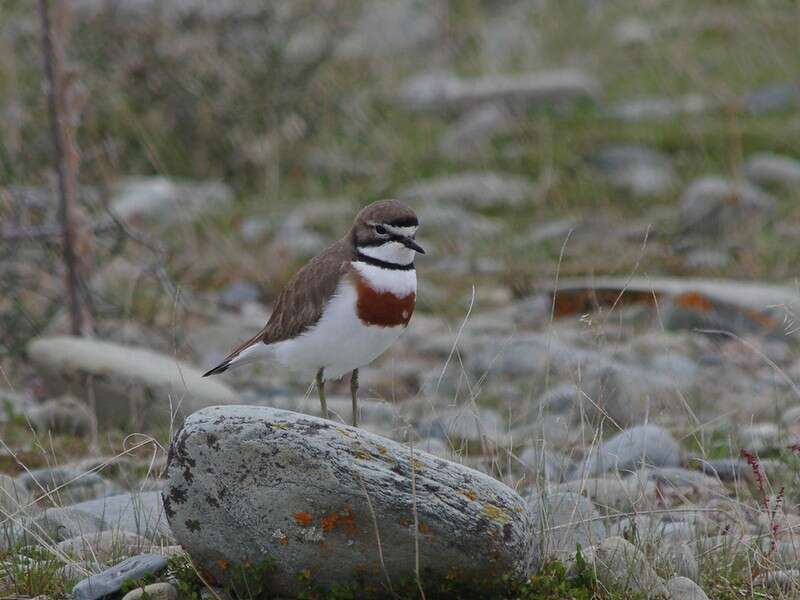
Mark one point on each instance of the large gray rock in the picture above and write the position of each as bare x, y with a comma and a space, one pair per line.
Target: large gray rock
645, 445
527, 90
129, 384
261, 485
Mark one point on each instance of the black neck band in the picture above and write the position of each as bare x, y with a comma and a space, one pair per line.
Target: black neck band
376, 262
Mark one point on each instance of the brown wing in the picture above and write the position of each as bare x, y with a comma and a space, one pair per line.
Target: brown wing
299, 306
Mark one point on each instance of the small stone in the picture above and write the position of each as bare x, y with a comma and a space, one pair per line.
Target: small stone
67, 483
153, 591
639, 170
545, 465
679, 559
110, 581
683, 588
473, 189
238, 293
726, 469
62, 415
633, 31
563, 521
715, 206
789, 578
773, 98
660, 108
620, 567
471, 135
773, 169
645, 445
465, 425
433, 93
13, 494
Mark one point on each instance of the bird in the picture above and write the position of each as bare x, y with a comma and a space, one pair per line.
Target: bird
346, 306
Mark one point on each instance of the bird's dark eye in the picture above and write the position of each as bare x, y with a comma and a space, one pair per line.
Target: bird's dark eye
380, 229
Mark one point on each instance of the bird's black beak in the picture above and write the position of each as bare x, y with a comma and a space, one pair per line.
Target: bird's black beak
412, 245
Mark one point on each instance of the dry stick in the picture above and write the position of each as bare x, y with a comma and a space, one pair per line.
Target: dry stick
54, 71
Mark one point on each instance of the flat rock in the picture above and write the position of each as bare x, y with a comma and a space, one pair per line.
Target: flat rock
473, 189
129, 383
141, 513
162, 201
254, 485
629, 450
110, 581
445, 92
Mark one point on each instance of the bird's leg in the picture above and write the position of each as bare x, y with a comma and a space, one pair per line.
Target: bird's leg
321, 390
354, 394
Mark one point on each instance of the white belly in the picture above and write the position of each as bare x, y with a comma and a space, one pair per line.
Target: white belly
339, 343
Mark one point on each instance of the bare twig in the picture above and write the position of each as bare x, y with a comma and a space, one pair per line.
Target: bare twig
66, 160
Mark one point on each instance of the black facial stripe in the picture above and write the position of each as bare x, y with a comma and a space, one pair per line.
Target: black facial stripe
376, 262
380, 241
404, 222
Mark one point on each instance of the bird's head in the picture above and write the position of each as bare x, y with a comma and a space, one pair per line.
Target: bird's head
386, 231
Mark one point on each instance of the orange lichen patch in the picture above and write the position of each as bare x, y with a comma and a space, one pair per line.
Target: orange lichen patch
694, 301
284, 541
382, 449
342, 519
344, 432
575, 302
495, 513
471, 494
765, 321
405, 521
303, 518
223, 564
417, 464
423, 528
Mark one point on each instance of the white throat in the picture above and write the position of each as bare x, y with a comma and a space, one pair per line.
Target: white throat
390, 252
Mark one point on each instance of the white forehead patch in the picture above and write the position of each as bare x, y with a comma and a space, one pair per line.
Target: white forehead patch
403, 231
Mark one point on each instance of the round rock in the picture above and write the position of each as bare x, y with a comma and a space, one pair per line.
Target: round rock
321, 504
